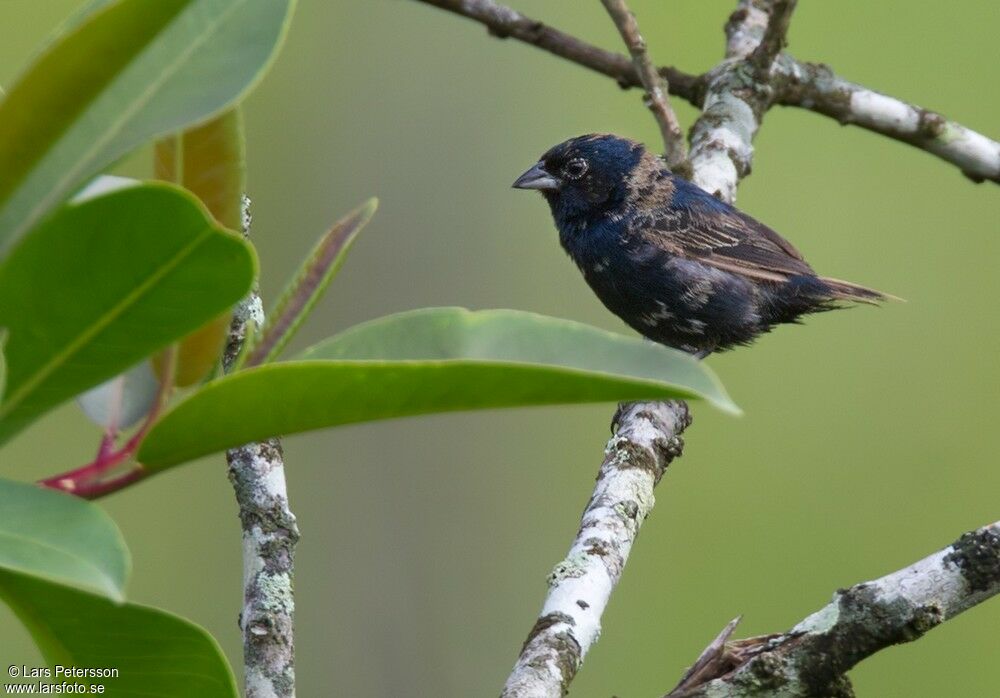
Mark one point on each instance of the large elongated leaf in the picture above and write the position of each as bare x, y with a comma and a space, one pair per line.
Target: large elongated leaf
130, 71
60, 538
155, 653
104, 283
434, 360
210, 162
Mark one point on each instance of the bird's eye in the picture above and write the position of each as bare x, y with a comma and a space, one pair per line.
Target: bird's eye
575, 168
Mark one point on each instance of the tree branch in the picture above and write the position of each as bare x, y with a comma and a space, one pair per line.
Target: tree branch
812, 658
736, 97
774, 39
653, 83
503, 22
257, 472
797, 84
816, 87
646, 439
647, 434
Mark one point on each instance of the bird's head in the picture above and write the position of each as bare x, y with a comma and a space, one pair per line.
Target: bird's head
584, 177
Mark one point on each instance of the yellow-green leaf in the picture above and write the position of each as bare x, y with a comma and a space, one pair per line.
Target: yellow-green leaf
131, 70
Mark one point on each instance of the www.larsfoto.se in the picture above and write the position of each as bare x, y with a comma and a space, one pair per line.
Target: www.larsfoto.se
39, 688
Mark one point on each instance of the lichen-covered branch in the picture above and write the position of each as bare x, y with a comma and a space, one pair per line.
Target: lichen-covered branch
810, 86
646, 439
812, 658
652, 82
736, 99
257, 472
269, 537
816, 87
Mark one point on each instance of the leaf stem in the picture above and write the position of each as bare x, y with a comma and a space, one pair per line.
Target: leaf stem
89, 481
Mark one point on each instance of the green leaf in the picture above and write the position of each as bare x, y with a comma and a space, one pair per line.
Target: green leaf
60, 538
433, 360
210, 162
130, 71
156, 653
309, 283
104, 283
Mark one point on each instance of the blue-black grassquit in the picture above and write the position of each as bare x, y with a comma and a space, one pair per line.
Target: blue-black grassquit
678, 265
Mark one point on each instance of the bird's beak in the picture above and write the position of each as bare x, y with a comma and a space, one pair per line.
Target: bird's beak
537, 178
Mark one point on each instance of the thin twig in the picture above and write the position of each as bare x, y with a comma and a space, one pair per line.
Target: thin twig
257, 472
774, 39
503, 22
812, 658
653, 83
795, 83
646, 439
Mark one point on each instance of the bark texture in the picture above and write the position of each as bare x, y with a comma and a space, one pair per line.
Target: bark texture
647, 437
257, 472
812, 658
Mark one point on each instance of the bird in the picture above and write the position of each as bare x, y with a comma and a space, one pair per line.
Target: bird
678, 265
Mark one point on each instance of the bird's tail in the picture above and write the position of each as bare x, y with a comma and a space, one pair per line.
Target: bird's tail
846, 291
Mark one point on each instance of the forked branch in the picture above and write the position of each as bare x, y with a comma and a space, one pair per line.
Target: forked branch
811, 658
810, 86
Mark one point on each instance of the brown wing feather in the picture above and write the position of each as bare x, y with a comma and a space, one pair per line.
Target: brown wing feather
727, 239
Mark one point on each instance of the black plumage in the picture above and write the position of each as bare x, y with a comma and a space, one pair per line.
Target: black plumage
676, 264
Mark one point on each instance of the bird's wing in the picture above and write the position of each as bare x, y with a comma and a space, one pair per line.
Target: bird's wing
698, 226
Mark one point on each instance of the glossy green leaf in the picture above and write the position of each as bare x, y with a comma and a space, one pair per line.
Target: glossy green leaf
433, 360
129, 71
155, 652
104, 283
210, 162
309, 283
60, 538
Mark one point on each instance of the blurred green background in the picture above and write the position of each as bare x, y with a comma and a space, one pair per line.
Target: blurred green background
868, 439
